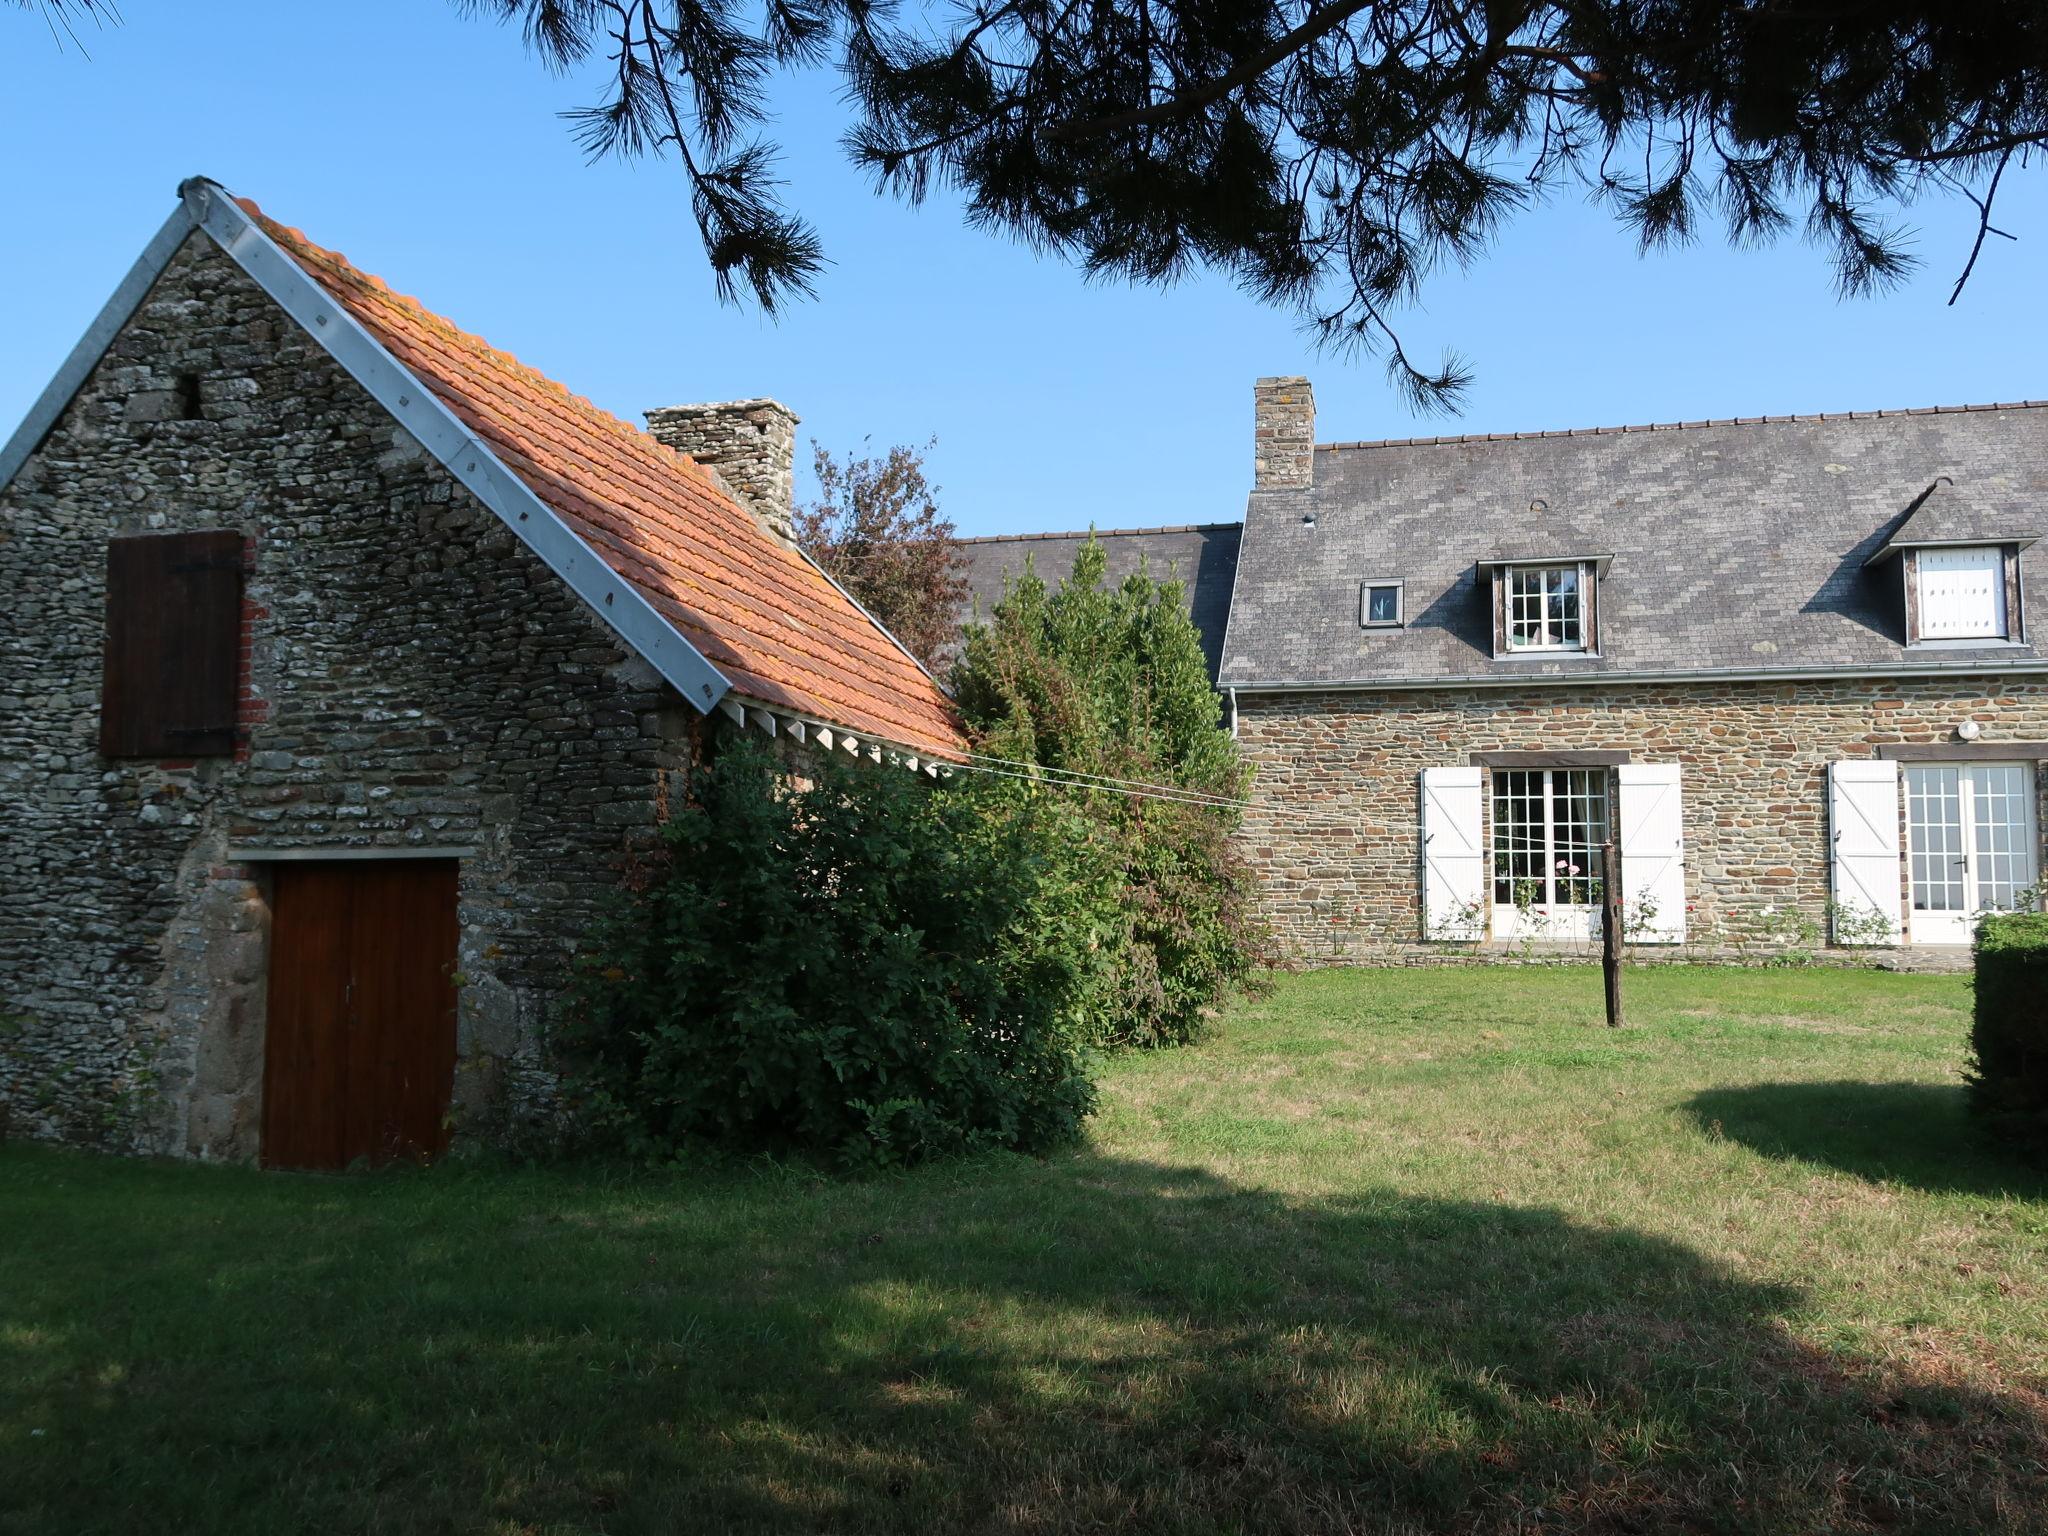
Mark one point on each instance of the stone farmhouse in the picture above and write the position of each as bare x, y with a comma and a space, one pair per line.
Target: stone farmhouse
347, 663
1792, 664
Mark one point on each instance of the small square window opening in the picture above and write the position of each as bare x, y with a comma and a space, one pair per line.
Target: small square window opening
1379, 605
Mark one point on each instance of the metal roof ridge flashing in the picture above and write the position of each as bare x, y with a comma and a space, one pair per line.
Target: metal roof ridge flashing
450, 441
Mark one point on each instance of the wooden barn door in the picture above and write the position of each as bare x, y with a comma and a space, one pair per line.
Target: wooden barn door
359, 1056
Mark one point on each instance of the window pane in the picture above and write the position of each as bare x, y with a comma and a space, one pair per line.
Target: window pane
2001, 796
1518, 843
1382, 605
1934, 829
1544, 608
1548, 825
1525, 607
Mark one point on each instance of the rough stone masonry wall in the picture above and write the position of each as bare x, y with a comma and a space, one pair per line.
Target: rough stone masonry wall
1333, 834
415, 678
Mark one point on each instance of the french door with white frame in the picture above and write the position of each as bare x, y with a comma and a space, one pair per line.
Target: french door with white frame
1970, 844
1548, 828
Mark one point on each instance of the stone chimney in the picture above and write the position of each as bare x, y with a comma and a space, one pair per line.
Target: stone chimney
1283, 434
749, 444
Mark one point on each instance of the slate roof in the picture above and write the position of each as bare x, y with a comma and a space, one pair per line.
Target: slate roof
765, 617
1202, 555
1975, 515
1738, 546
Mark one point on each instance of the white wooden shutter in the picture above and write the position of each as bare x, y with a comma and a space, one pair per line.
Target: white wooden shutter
1863, 833
1962, 594
1651, 819
1453, 863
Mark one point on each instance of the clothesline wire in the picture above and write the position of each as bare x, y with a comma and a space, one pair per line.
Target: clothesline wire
1149, 792
1104, 779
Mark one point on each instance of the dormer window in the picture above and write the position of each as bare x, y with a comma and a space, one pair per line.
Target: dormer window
1959, 551
1545, 604
1961, 593
1546, 611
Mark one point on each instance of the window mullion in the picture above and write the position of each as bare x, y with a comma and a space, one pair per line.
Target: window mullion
1549, 842
1966, 801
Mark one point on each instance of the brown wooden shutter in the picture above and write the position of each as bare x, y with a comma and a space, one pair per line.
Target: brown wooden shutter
174, 632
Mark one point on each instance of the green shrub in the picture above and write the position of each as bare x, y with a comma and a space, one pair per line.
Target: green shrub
869, 967
1111, 682
2009, 1038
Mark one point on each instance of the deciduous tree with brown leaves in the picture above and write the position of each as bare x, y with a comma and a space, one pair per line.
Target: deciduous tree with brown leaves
877, 528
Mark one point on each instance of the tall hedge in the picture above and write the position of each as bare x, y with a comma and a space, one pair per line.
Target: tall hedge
1111, 681
864, 966
2009, 1035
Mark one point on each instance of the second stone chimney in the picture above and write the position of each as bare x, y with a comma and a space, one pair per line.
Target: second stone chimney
1283, 434
749, 444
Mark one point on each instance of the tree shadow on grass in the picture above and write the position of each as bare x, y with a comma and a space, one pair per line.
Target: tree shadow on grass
1919, 1134
1090, 1343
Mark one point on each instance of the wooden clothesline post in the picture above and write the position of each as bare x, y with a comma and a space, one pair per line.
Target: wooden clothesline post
1610, 929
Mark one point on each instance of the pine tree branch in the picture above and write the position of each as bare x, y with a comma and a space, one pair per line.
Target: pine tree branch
1277, 52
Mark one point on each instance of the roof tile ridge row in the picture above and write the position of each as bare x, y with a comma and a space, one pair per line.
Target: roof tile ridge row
1683, 426
1100, 533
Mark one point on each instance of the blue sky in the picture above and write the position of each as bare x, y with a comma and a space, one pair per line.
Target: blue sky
425, 146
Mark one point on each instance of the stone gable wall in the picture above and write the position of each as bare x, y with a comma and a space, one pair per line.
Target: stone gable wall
1332, 831
414, 678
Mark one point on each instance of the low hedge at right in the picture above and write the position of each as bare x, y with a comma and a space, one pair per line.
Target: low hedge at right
2009, 1073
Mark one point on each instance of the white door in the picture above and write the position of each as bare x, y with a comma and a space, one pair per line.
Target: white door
1970, 842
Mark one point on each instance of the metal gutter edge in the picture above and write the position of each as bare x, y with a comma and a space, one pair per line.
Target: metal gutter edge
92, 346
459, 450
2033, 668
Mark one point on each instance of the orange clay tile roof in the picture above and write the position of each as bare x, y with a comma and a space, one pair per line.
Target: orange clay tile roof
759, 612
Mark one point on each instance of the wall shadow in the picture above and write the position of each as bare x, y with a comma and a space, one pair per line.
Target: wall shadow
1909, 1133
1092, 1343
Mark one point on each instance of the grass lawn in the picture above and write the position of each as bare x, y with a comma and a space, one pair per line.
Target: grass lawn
1395, 1251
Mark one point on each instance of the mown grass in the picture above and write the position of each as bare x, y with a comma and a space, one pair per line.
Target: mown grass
1394, 1251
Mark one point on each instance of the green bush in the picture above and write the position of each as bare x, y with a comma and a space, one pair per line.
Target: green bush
868, 967
1111, 682
2009, 1038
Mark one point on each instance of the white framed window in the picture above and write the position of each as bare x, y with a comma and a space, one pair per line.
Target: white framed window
1545, 607
1380, 605
1961, 593
1548, 827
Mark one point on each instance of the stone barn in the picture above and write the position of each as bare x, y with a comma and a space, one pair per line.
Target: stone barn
348, 665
